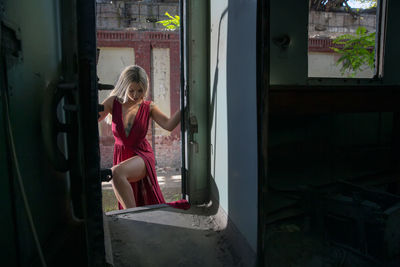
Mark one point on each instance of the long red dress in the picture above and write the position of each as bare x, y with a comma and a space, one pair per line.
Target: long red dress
146, 191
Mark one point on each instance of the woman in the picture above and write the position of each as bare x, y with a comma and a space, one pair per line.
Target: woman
134, 177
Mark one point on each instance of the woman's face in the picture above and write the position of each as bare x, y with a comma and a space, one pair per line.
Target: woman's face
135, 92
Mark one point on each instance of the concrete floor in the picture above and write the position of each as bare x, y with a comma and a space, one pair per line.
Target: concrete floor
163, 236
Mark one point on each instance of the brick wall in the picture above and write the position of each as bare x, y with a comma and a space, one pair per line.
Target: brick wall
168, 152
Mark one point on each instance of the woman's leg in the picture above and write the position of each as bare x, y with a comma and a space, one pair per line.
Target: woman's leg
130, 170
115, 192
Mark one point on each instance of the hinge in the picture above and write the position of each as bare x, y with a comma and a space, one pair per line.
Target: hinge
193, 125
193, 128
186, 89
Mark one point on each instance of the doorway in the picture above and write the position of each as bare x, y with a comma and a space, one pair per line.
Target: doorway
130, 33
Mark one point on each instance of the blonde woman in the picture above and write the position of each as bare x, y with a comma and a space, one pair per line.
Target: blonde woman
134, 177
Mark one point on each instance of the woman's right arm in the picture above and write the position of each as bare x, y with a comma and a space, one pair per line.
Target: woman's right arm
108, 105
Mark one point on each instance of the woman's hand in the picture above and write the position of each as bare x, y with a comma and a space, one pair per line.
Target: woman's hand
166, 123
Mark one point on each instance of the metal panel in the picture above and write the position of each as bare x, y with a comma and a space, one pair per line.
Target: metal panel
63, 208
196, 89
9, 238
89, 138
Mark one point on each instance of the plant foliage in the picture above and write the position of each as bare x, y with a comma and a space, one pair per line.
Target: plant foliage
170, 24
357, 51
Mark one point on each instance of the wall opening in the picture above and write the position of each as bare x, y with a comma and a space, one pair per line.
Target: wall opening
128, 33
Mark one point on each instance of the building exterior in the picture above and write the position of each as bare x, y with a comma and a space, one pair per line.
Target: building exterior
134, 15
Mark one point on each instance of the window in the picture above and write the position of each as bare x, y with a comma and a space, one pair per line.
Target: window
345, 38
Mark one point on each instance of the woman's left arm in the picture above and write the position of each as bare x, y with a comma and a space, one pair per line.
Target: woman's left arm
162, 119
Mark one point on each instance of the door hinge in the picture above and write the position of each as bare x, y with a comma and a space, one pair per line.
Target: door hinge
193, 128
193, 125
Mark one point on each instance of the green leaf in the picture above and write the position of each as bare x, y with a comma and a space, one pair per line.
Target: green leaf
361, 30
355, 51
172, 23
337, 50
167, 14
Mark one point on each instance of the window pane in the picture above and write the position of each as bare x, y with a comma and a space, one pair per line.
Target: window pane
342, 39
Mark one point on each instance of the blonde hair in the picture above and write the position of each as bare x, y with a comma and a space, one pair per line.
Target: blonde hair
130, 74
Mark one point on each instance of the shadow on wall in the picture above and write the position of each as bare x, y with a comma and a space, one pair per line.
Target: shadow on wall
241, 132
241, 102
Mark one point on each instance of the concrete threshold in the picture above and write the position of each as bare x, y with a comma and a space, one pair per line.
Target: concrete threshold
160, 235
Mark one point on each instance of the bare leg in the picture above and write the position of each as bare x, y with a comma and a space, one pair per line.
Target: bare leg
130, 170
115, 192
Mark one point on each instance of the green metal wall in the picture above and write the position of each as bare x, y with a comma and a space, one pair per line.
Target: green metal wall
7, 222
39, 49
36, 24
196, 91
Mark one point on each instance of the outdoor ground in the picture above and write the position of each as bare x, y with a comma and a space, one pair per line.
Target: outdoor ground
169, 180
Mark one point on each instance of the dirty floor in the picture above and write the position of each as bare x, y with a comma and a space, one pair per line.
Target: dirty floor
163, 236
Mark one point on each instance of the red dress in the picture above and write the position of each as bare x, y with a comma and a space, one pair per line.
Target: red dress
146, 191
